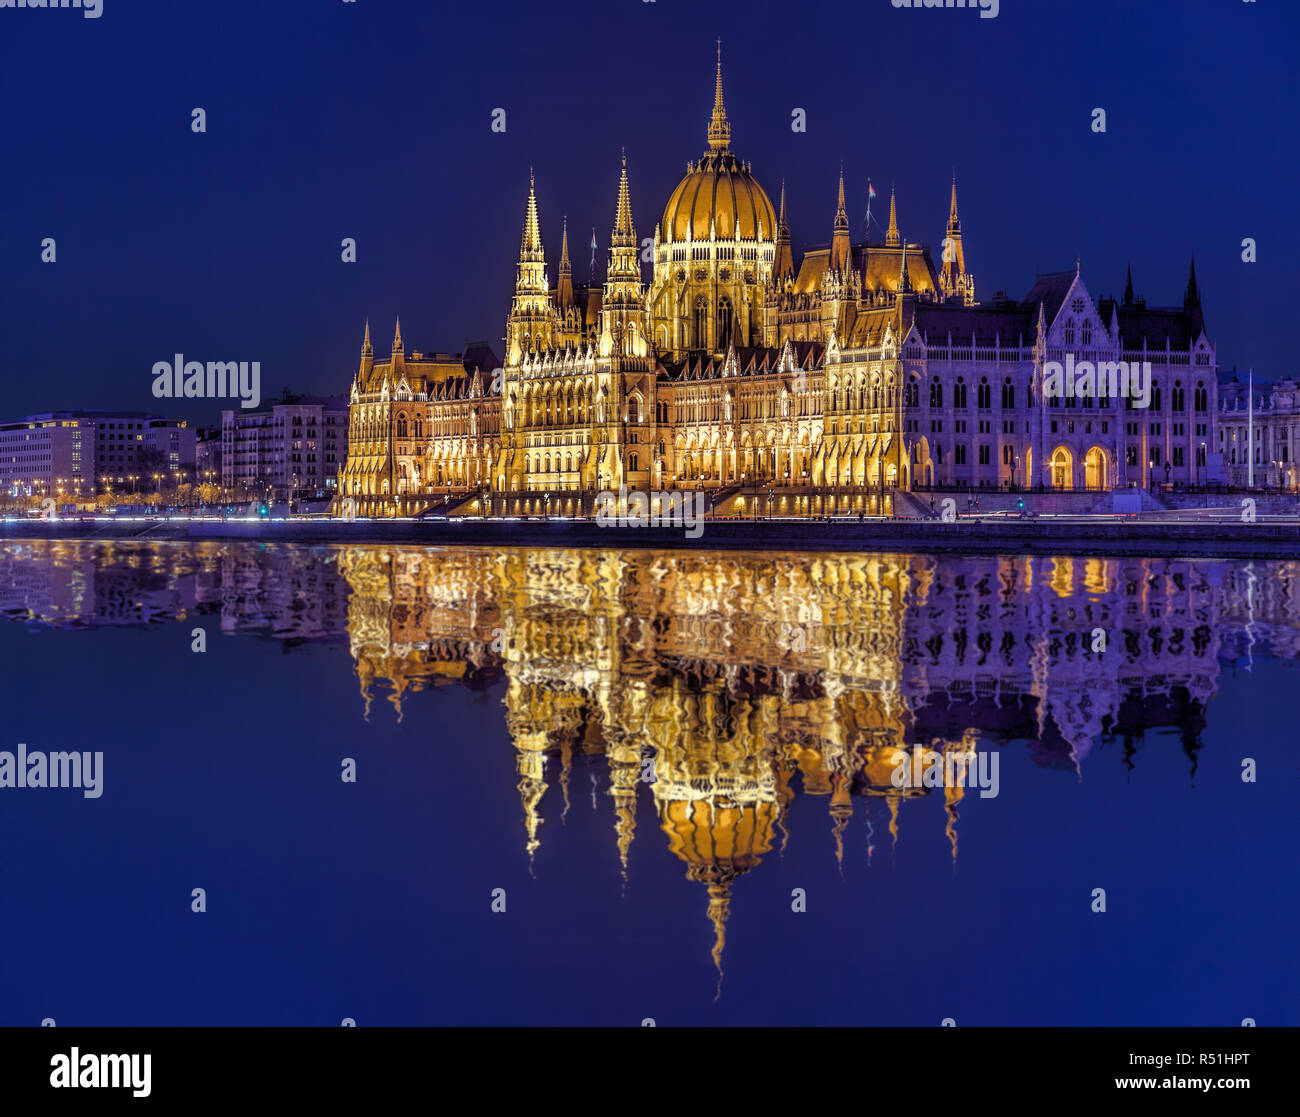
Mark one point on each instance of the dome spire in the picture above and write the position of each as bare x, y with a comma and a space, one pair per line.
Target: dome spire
719, 129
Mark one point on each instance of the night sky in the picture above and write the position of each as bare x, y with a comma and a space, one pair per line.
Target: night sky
372, 120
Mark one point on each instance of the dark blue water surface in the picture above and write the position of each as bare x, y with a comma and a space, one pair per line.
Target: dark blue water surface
677, 766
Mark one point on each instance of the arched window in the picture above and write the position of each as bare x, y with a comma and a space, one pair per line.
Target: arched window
1069, 332
724, 322
936, 393
1155, 397
984, 394
959, 393
1179, 397
913, 392
401, 424
1200, 397
632, 463
419, 427
701, 335
1087, 332
1008, 394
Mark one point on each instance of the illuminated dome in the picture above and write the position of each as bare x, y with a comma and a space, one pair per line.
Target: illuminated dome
719, 191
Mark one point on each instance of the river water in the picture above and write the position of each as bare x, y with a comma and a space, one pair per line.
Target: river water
412, 786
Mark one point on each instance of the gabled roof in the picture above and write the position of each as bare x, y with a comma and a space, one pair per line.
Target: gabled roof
1051, 290
878, 265
479, 354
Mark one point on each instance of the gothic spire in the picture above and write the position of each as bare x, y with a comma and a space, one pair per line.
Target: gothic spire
904, 280
891, 237
366, 349
954, 222
840, 236
397, 338
783, 267
623, 214
564, 290
532, 243
1128, 287
719, 129
1192, 298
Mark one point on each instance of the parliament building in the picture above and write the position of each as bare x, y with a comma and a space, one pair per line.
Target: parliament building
827, 384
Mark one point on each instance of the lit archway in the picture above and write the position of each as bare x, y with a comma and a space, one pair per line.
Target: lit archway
1062, 469
1095, 470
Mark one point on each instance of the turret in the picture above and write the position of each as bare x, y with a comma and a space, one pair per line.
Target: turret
840, 237
623, 305
532, 315
951, 279
564, 294
783, 267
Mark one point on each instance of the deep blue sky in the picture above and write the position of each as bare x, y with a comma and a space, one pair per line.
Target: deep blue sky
372, 120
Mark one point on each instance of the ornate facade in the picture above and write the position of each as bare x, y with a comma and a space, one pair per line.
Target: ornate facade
862, 371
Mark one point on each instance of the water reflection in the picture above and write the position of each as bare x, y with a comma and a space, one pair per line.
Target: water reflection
723, 685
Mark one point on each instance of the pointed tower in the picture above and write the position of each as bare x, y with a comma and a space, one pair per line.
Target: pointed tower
564, 295
367, 359
891, 237
1192, 296
531, 326
399, 354
1192, 303
783, 267
952, 278
1128, 287
719, 129
840, 236
904, 280
623, 305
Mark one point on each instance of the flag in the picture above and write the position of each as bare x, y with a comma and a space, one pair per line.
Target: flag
871, 190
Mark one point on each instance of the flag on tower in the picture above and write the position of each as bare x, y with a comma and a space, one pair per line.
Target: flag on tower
871, 190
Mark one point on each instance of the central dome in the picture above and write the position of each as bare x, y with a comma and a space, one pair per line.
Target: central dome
720, 191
